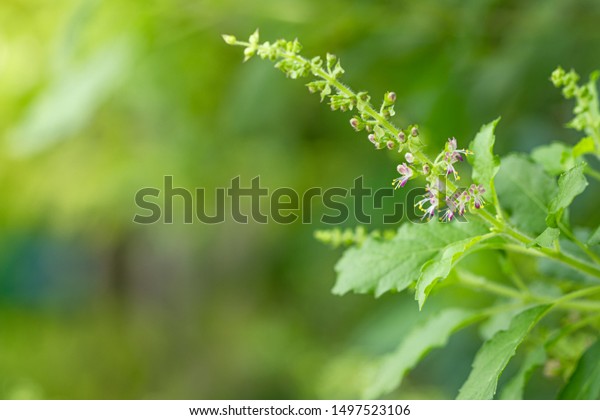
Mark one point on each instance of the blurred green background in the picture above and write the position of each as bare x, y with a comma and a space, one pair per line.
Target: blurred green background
101, 98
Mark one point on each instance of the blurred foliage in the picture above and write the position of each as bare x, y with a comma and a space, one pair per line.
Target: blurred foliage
102, 98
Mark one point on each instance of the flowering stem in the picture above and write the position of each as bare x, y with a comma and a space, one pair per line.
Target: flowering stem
496, 221
296, 65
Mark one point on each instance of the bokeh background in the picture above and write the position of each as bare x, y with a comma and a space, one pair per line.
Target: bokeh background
101, 98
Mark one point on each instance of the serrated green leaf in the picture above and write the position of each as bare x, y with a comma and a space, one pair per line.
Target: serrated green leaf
556, 158
494, 355
434, 333
440, 266
525, 191
570, 185
381, 266
514, 389
546, 238
485, 163
584, 383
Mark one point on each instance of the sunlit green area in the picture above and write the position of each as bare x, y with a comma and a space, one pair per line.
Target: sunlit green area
99, 99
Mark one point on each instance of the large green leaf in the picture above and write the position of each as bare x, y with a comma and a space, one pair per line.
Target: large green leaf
584, 383
419, 341
570, 185
440, 266
525, 191
556, 158
485, 164
495, 354
381, 266
514, 389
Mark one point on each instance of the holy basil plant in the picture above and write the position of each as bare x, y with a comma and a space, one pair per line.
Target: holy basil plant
515, 205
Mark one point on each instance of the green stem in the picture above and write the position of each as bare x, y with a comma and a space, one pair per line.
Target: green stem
577, 242
524, 240
592, 172
565, 302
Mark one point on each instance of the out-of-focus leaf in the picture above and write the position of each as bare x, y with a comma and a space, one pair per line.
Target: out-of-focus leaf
381, 266
585, 145
594, 238
584, 384
434, 333
525, 191
495, 354
71, 99
514, 389
556, 158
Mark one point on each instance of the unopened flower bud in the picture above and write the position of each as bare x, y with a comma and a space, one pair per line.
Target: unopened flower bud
391, 97
372, 139
414, 132
409, 157
390, 144
354, 123
426, 169
401, 137
230, 39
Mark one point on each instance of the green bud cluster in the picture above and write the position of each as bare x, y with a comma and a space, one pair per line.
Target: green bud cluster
337, 237
376, 123
587, 112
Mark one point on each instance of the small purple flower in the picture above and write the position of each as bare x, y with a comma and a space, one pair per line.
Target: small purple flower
429, 204
448, 215
476, 193
390, 144
406, 172
409, 157
461, 202
373, 140
450, 168
452, 156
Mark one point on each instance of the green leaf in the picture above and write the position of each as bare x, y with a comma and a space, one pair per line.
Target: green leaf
381, 266
514, 389
485, 163
585, 146
440, 266
584, 383
570, 185
495, 354
546, 238
594, 237
556, 158
525, 191
434, 333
